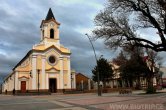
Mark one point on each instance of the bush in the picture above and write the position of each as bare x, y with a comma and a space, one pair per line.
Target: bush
151, 90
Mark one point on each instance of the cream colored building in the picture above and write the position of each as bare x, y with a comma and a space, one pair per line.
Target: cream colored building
45, 68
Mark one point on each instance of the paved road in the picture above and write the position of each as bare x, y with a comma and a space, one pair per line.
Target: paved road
83, 102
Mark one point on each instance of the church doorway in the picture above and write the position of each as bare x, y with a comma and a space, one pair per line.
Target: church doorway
23, 86
52, 85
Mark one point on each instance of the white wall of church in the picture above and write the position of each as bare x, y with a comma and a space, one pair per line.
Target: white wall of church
9, 84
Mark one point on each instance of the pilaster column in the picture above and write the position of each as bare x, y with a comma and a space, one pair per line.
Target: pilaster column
46, 31
47, 83
69, 73
43, 86
16, 80
61, 73
41, 34
34, 72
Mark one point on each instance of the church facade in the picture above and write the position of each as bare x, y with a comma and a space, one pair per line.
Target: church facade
46, 67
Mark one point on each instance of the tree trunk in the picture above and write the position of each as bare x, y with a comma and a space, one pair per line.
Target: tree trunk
150, 89
138, 83
149, 82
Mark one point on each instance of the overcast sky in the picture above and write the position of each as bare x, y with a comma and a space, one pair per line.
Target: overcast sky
19, 30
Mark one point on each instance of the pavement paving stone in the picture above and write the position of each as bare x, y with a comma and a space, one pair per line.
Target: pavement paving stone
79, 101
71, 108
34, 106
61, 103
98, 100
144, 101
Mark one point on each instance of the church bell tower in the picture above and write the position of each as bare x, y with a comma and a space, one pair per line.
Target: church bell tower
50, 28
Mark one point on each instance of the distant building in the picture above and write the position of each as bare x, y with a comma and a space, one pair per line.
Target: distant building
115, 81
82, 82
118, 82
46, 67
163, 69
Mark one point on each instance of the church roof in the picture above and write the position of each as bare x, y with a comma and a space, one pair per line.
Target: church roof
82, 75
50, 15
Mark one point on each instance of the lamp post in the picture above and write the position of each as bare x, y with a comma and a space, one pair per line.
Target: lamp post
38, 80
98, 81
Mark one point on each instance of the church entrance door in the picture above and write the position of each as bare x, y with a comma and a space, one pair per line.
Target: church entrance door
23, 86
53, 85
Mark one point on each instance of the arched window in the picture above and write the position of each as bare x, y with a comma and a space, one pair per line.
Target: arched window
51, 33
43, 34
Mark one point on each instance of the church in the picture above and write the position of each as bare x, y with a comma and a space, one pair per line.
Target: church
46, 67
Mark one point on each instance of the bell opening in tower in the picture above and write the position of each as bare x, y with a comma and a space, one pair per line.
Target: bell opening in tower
52, 33
43, 34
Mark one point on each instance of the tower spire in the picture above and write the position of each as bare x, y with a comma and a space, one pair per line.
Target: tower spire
50, 28
50, 15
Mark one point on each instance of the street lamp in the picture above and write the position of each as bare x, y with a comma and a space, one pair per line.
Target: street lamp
98, 85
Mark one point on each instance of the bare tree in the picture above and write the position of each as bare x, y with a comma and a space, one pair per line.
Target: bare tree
120, 21
140, 63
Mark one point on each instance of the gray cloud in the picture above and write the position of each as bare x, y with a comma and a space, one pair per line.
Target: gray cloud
19, 28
